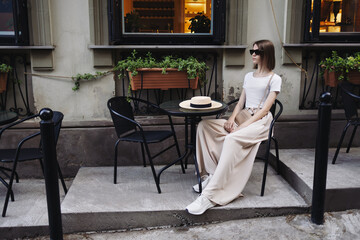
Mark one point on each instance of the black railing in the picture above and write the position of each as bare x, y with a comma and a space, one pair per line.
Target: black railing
313, 84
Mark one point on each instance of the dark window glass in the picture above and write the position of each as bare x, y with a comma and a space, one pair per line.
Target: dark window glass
167, 21
6, 18
13, 22
332, 20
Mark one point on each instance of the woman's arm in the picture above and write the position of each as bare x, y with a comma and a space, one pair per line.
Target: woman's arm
262, 112
229, 124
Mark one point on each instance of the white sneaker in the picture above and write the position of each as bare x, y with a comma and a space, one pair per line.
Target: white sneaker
200, 205
203, 183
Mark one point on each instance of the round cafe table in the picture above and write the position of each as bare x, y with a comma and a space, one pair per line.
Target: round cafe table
192, 117
7, 117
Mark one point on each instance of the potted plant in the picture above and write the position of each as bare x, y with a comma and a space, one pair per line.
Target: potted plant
200, 23
332, 69
4, 70
169, 72
352, 68
336, 68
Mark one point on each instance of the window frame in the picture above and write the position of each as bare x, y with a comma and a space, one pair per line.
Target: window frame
117, 37
315, 35
20, 15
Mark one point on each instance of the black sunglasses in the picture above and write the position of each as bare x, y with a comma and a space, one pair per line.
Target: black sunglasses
257, 51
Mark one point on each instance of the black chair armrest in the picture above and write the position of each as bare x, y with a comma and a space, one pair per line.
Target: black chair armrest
16, 123
349, 93
27, 139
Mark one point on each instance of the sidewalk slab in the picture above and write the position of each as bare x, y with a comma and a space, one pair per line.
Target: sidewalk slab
27, 215
343, 182
94, 203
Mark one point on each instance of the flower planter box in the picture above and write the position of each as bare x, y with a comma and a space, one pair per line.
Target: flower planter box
331, 78
152, 78
3, 81
354, 77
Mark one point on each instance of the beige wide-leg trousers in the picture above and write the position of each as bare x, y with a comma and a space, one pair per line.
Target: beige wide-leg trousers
229, 157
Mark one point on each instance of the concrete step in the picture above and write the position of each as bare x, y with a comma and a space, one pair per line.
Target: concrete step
95, 203
343, 182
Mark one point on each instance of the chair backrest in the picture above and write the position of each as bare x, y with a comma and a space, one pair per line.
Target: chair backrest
121, 110
57, 119
276, 114
349, 99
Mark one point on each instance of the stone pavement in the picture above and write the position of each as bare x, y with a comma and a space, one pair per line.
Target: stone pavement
338, 225
94, 203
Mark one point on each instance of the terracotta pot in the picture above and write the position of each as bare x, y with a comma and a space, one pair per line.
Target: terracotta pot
354, 77
154, 79
331, 78
3, 81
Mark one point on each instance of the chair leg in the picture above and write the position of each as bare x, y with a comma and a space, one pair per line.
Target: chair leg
62, 179
7, 185
2, 169
351, 139
277, 155
9, 191
115, 160
143, 154
266, 160
156, 177
340, 142
42, 166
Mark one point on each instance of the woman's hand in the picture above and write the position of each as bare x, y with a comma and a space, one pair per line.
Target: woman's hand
229, 125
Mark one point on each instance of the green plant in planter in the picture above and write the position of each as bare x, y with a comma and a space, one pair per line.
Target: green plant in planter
190, 65
335, 63
340, 65
352, 62
5, 68
200, 23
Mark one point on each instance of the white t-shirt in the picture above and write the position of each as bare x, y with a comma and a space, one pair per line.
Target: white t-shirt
255, 88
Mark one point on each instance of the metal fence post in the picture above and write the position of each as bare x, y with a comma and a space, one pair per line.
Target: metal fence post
321, 159
51, 173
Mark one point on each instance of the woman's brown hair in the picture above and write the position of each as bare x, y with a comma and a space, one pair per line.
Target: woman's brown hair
267, 53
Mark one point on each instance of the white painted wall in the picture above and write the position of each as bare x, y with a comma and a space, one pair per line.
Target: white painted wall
71, 36
261, 25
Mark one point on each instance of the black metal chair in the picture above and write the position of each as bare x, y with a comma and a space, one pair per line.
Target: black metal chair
350, 102
129, 130
276, 110
21, 154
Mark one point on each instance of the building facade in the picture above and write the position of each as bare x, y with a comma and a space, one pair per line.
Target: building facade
57, 40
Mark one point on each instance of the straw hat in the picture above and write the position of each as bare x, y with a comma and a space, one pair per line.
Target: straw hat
200, 103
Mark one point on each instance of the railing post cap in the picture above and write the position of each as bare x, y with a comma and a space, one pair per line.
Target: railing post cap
325, 97
46, 114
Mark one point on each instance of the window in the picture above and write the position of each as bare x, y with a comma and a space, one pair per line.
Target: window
167, 21
332, 20
13, 22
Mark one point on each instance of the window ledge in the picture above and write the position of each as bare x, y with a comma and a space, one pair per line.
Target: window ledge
167, 46
321, 45
27, 47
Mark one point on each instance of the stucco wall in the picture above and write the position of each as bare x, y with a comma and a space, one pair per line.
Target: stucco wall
261, 25
71, 36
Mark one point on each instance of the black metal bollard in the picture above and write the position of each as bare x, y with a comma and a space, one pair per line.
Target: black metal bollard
321, 159
51, 173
